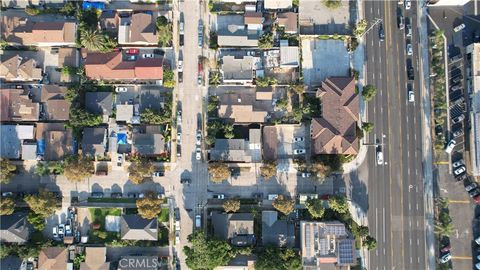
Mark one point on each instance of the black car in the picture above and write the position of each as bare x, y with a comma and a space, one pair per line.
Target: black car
185, 180
116, 195
456, 94
457, 79
456, 87
461, 177
410, 73
381, 32
456, 57
474, 192
180, 77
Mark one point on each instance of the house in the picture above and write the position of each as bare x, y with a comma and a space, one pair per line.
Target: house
24, 31
288, 21
121, 67
150, 142
236, 228
335, 131
15, 228
53, 258
55, 107
240, 262
277, 232
254, 20
134, 227
19, 66
277, 4
326, 244
139, 29
99, 103
18, 106
237, 70
67, 57
238, 150
95, 259
58, 144
94, 141
289, 55
12, 139
237, 36
243, 107
109, 20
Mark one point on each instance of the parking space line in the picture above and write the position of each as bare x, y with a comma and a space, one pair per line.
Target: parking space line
441, 163
461, 258
457, 201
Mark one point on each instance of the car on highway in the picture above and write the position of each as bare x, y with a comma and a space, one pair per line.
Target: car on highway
132, 51
408, 27
299, 151
459, 27
298, 139
471, 186
410, 73
198, 154
408, 4
199, 138
219, 196
445, 257
198, 221
459, 170
458, 163
458, 132
147, 55
381, 32
379, 157
400, 21
409, 48
458, 119
180, 66
451, 144
411, 96
120, 89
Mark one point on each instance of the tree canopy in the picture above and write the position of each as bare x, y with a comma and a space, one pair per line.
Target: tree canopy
266, 41
268, 170
207, 253
338, 204
279, 259
164, 32
139, 170
44, 203
168, 78
284, 205
78, 168
315, 207
7, 170
7, 206
368, 92
218, 171
149, 206
232, 205
81, 118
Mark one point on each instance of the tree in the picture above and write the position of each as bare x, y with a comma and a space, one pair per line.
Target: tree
282, 104
44, 203
228, 131
279, 259
215, 78
370, 242
37, 221
315, 207
266, 41
150, 116
69, 9
78, 168
265, 81
149, 206
213, 41
168, 78
284, 205
297, 88
360, 28
32, 11
367, 127
140, 170
232, 205
443, 229
41, 169
7, 206
362, 231
5, 251
368, 92
161, 21
332, 4
268, 170
7, 170
164, 32
218, 171
338, 204
207, 253
92, 40
81, 118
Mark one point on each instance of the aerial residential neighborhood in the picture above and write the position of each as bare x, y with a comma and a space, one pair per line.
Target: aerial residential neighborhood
240, 134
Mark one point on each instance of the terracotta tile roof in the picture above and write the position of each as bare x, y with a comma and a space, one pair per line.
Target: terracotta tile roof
288, 20
24, 31
335, 131
253, 17
110, 66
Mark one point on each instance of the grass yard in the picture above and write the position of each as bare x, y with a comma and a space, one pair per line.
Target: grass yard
164, 215
98, 215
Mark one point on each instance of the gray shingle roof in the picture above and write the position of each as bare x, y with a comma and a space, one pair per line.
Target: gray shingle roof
99, 102
134, 227
94, 141
277, 232
15, 228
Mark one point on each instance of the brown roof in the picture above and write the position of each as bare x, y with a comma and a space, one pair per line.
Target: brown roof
110, 66
288, 20
53, 258
253, 17
57, 144
18, 67
67, 57
270, 142
335, 131
143, 29
16, 30
17, 106
56, 107
109, 20
243, 107
24, 31
95, 258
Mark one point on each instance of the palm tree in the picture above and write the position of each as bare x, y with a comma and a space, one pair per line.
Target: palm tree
214, 78
444, 229
92, 40
164, 35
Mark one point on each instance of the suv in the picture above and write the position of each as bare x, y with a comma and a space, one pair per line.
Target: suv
379, 157
458, 163
401, 20
470, 187
381, 32
450, 146
408, 27
459, 27
459, 170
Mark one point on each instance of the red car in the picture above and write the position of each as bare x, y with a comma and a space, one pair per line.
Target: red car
446, 248
476, 199
132, 51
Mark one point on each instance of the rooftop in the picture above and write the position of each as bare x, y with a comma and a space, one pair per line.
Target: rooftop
17, 106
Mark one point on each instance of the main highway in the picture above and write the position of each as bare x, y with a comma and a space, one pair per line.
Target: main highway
396, 212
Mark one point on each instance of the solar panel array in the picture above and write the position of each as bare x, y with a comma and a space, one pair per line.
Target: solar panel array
336, 230
346, 251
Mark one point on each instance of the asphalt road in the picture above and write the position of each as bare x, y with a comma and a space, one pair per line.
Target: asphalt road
395, 189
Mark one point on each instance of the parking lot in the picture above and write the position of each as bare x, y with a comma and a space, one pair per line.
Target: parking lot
313, 18
323, 58
284, 139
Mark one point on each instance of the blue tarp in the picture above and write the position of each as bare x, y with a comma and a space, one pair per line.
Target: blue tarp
121, 138
97, 5
41, 147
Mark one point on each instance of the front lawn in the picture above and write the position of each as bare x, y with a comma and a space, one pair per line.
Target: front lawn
164, 216
98, 215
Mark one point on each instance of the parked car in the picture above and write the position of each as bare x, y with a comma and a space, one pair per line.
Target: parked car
7, 194
299, 151
408, 4
450, 146
179, 137
55, 232
180, 66
198, 153
147, 55
458, 132
116, 195
131, 58
97, 195
445, 258
456, 87
474, 192
219, 196
459, 27
458, 119
199, 138
61, 230
459, 170
446, 249
132, 51
298, 139
458, 163
158, 173
68, 228
461, 177
200, 80
198, 221
457, 79
471, 186
121, 89
132, 195
306, 174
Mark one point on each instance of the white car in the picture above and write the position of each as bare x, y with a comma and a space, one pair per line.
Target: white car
408, 4
380, 157
411, 96
459, 27
121, 89
306, 175
219, 196
55, 232
299, 151
147, 55
198, 154
298, 139
68, 229
179, 137
198, 221
180, 66
61, 230
409, 49
477, 240
458, 163
450, 146
445, 258
459, 170
199, 138
177, 237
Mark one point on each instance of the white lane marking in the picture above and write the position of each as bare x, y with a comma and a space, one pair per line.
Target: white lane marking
417, 210
410, 208
373, 75
418, 242
371, 9
417, 220
408, 170
380, 75
411, 261
384, 229
380, 59
418, 259
373, 58
410, 241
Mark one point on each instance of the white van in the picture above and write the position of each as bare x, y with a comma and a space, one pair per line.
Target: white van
198, 221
